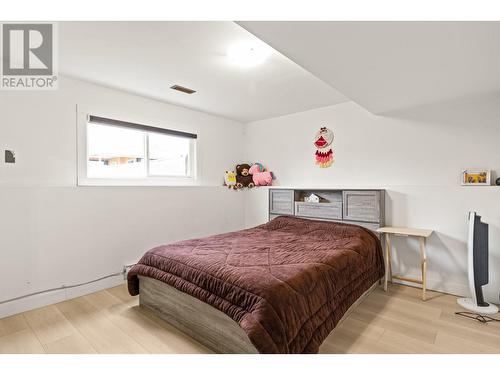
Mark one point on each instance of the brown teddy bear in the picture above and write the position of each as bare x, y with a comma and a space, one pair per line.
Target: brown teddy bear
243, 177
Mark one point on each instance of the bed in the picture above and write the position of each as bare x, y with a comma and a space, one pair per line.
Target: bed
280, 287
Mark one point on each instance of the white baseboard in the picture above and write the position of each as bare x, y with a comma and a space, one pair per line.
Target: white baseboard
49, 298
40, 300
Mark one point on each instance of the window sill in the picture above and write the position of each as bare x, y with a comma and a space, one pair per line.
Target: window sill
105, 182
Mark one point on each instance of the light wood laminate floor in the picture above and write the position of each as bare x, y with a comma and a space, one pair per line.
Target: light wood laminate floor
111, 321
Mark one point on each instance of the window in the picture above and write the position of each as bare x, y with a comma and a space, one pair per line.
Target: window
122, 153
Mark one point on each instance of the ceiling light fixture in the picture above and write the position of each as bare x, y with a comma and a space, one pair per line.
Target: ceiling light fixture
248, 54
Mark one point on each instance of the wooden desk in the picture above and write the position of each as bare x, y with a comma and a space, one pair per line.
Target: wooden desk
421, 234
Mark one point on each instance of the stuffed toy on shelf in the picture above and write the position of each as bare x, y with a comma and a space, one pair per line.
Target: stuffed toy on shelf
248, 175
260, 176
230, 179
243, 178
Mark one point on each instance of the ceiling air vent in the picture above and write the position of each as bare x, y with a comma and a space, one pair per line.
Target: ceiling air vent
182, 89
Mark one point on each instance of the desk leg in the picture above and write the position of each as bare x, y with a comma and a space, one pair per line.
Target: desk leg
387, 260
423, 260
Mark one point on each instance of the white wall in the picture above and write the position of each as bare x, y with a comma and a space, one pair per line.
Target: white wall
53, 232
417, 156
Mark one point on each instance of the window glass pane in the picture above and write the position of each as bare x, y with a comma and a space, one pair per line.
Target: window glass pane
115, 152
169, 155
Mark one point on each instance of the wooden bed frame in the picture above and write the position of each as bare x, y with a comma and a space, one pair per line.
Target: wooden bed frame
199, 320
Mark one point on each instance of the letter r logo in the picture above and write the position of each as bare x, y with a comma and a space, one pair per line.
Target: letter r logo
27, 49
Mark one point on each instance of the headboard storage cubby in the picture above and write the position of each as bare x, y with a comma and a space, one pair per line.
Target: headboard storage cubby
355, 206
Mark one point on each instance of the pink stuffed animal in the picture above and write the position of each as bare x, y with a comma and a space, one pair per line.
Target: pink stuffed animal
259, 176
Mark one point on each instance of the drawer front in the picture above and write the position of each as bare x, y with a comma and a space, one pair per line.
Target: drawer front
281, 202
319, 210
361, 205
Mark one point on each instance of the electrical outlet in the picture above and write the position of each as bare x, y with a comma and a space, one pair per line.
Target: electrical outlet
10, 156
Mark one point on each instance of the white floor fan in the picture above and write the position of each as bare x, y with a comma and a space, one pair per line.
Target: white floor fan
478, 273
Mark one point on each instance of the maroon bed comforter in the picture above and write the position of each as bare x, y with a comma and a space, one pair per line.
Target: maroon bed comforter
287, 283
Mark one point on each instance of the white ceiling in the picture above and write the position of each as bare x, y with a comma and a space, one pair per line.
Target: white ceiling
146, 58
386, 66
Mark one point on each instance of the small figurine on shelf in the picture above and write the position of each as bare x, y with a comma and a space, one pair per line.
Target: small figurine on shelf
230, 179
313, 198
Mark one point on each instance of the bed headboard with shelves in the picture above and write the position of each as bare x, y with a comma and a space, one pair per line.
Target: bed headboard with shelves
357, 206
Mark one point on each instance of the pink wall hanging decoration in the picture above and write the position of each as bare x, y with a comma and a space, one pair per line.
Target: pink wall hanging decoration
324, 153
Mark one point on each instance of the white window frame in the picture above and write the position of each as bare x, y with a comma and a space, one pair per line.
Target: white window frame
150, 180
